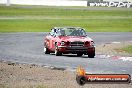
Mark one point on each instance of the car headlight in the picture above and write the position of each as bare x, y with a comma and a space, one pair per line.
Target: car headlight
92, 43
62, 43
86, 43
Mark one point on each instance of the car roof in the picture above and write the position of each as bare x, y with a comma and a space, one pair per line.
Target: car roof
66, 27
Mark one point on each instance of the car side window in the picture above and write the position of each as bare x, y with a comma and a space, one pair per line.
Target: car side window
52, 32
55, 32
58, 32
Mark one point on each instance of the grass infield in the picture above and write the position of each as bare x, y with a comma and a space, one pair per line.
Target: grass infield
128, 49
43, 18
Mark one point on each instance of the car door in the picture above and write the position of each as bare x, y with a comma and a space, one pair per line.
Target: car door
52, 39
49, 40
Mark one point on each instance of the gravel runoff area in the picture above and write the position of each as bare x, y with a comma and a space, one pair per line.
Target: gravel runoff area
113, 48
15, 75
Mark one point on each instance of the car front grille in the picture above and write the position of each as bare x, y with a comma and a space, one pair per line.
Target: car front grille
78, 43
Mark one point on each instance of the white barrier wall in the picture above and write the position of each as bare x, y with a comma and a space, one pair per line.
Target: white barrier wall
118, 0
47, 2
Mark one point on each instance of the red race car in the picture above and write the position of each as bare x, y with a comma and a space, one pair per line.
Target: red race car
64, 40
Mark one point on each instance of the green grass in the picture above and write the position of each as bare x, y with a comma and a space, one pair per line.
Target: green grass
51, 11
41, 19
128, 49
30, 25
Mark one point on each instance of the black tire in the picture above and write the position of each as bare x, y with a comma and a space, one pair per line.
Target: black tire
79, 54
46, 50
129, 80
91, 55
57, 53
81, 80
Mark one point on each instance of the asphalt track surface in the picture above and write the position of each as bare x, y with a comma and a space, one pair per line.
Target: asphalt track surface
28, 48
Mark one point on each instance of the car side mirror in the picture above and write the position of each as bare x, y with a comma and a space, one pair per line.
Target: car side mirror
51, 34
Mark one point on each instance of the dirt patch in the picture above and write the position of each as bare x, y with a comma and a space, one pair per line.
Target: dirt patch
113, 48
14, 75
30, 76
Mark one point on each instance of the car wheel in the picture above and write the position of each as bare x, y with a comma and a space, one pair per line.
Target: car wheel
46, 50
91, 55
79, 54
57, 53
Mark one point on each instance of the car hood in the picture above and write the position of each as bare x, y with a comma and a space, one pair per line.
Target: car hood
75, 38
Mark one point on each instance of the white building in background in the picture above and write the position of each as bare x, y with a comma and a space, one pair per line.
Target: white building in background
53, 2
119, 0
46, 2
109, 0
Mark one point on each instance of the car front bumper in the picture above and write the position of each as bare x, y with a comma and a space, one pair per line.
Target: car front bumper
76, 49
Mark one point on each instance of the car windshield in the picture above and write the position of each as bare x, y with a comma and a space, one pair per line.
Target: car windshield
72, 32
